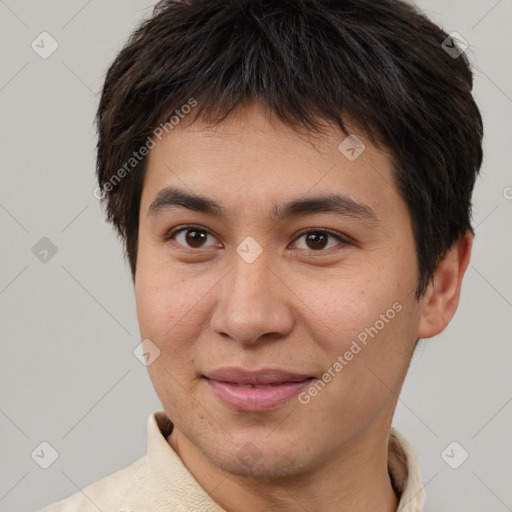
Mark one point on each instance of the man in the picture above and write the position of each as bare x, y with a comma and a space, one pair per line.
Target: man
292, 181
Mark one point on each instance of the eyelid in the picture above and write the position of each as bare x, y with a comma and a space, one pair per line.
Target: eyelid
335, 234
182, 227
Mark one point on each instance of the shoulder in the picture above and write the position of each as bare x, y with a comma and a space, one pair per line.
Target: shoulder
127, 486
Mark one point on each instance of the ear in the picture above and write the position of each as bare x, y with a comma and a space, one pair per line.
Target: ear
442, 296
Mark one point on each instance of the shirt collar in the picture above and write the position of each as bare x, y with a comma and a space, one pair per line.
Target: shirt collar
404, 471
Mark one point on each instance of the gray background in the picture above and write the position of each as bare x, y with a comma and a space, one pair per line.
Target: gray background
68, 373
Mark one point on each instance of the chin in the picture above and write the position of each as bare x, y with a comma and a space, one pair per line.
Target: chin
268, 466
265, 460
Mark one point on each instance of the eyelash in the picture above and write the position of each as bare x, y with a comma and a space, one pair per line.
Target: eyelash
187, 227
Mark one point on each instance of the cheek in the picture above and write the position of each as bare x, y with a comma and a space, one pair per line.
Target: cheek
342, 306
367, 358
368, 319
171, 309
158, 293
170, 314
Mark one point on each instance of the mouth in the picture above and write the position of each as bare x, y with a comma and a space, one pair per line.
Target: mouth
253, 391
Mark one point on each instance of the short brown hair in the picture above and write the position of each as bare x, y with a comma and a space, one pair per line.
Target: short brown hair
381, 63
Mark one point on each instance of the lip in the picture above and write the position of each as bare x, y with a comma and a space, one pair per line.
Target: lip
253, 391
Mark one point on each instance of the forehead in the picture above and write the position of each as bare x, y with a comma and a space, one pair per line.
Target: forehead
252, 161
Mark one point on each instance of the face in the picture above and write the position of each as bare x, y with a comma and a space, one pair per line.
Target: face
314, 303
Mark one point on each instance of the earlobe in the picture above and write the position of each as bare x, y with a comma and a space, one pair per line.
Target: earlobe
442, 296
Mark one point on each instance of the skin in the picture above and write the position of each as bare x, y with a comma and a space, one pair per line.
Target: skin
296, 307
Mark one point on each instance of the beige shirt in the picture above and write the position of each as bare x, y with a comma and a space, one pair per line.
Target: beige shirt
160, 482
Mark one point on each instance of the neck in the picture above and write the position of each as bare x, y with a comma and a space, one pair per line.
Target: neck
355, 480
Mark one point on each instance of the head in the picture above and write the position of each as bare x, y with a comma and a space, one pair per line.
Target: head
343, 117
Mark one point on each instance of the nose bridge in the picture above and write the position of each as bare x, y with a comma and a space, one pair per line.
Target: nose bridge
252, 302
250, 277
249, 268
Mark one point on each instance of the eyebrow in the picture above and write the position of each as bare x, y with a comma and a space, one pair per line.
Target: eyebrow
171, 198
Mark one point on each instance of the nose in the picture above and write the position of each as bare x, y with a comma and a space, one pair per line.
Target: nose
253, 302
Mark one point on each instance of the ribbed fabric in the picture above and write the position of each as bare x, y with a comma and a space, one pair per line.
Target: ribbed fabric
160, 482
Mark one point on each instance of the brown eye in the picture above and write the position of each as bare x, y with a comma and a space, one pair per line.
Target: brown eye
318, 240
191, 237
195, 238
